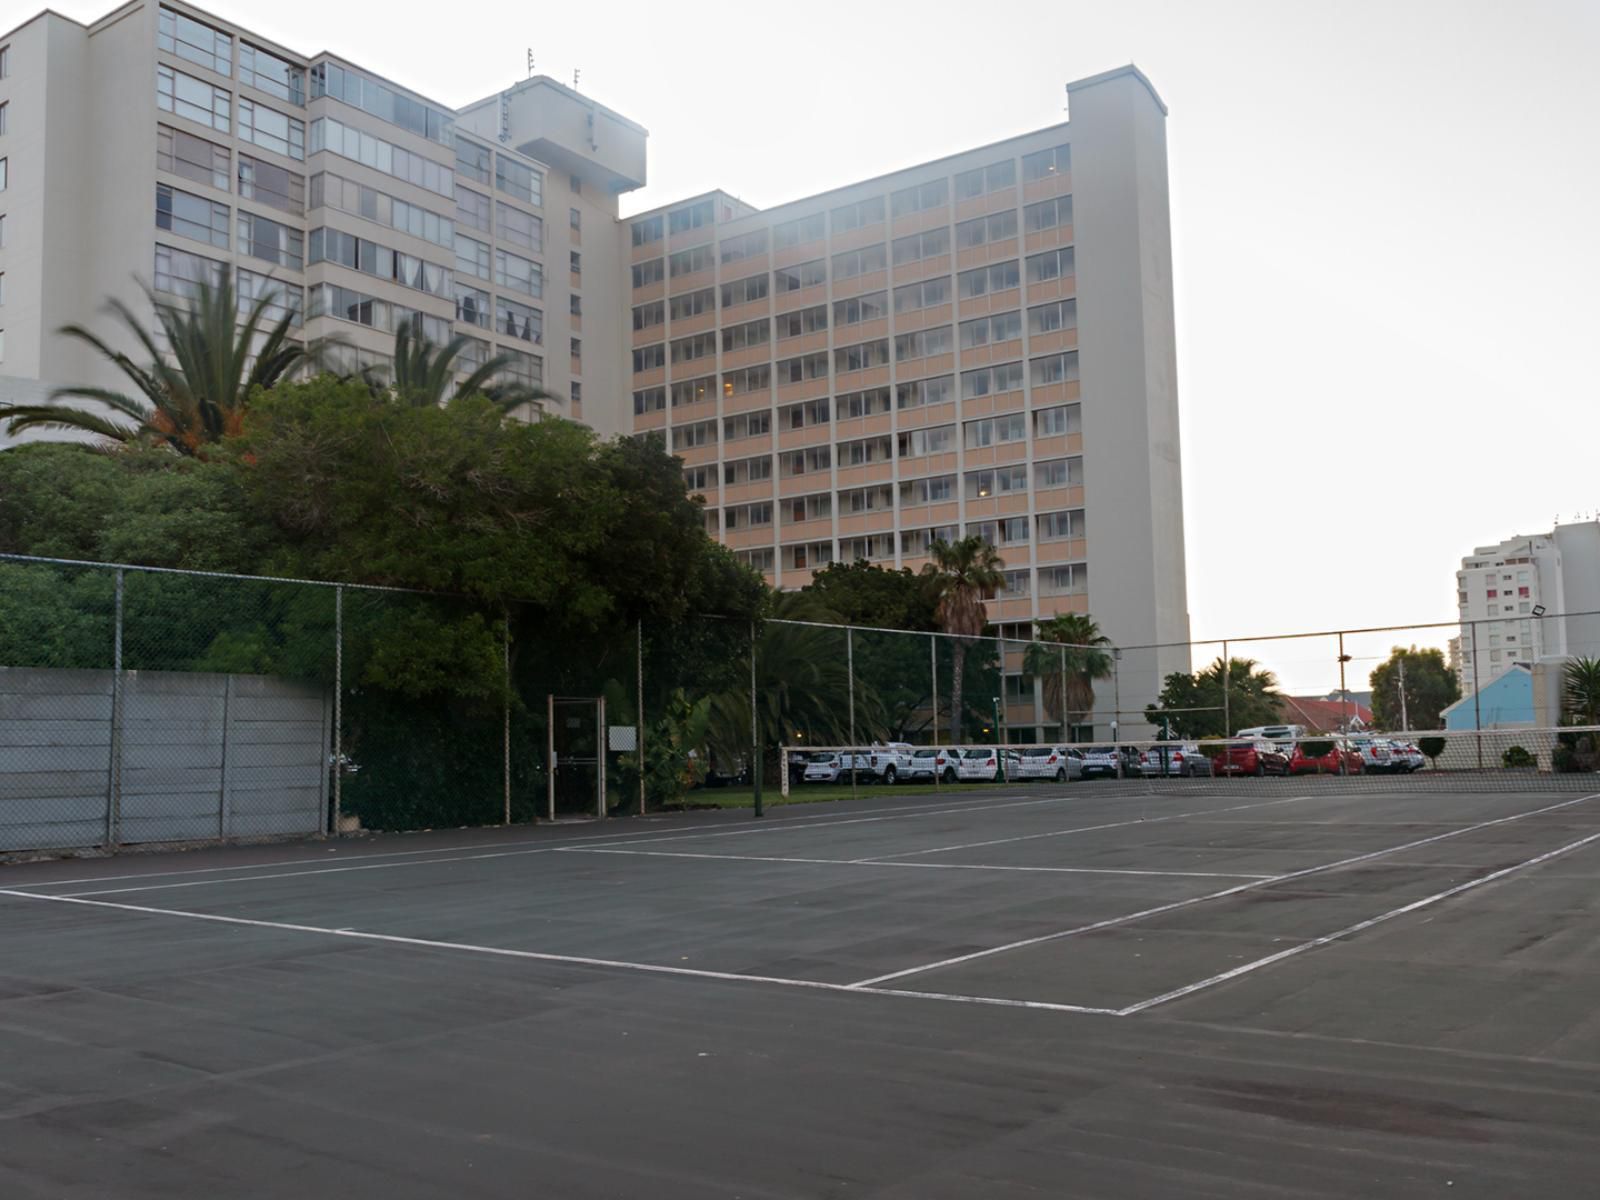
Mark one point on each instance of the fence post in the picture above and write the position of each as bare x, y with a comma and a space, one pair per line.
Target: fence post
338, 708
602, 740
933, 675
783, 771
850, 668
550, 753
1005, 702
114, 775
638, 738
1344, 705
755, 735
1477, 692
1061, 692
1227, 714
506, 737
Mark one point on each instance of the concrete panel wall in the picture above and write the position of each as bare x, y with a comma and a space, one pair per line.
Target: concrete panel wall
198, 758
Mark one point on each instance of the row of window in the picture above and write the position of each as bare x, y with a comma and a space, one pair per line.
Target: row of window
206, 220
1065, 525
937, 489
1064, 579
1054, 421
382, 262
207, 162
509, 270
500, 313
362, 147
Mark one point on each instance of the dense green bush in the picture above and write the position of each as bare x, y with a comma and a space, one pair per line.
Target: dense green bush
1516, 756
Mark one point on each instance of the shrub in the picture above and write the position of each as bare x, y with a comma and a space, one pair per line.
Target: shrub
1516, 756
1432, 747
1316, 749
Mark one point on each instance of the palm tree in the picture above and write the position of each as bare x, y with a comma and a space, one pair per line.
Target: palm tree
1069, 658
1582, 690
960, 573
423, 371
193, 395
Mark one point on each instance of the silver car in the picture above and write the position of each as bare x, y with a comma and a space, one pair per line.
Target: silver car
1060, 763
1179, 760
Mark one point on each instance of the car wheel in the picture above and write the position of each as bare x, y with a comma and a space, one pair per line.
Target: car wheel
889, 774
1260, 770
1061, 774
949, 774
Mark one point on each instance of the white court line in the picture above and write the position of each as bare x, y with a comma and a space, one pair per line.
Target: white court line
869, 862
568, 959
544, 847
1352, 930
1175, 905
1029, 837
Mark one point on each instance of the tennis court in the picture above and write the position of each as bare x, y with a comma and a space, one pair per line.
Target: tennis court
1253, 988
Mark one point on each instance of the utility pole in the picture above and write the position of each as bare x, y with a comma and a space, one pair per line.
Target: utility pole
1405, 721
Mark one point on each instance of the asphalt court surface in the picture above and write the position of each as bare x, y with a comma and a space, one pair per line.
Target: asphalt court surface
1064, 983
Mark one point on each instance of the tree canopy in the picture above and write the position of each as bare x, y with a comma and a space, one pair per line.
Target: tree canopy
1192, 705
1430, 687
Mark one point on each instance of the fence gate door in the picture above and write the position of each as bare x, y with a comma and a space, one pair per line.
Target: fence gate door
575, 784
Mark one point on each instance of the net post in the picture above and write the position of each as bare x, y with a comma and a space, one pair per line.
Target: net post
550, 754
1344, 702
505, 640
933, 678
602, 740
114, 774
1477, 692
1227, 670
755, 736
1061, 694
338, 708
638, 740
850, 667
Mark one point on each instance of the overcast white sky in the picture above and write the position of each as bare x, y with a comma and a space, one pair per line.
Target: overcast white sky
1384, 228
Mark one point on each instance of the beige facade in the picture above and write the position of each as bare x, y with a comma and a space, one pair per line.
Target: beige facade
981, 344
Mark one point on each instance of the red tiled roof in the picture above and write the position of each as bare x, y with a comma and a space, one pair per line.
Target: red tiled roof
1323, 716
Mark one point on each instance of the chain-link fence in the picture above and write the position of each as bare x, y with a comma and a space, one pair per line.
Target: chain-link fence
140, 705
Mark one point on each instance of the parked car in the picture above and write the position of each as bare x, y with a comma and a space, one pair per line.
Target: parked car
983, 764
1414, 759
885, 764
1061, 763
1180, 759
1258, 757
1375, 757
1100, 762
932, 762
1303, 763
824, 768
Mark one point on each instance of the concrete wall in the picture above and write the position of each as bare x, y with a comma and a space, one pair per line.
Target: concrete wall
200, 757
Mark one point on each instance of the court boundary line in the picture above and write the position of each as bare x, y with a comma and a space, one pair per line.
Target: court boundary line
1174, 906
1350, 931
562, 959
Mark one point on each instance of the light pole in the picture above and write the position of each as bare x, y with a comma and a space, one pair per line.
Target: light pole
1116, 701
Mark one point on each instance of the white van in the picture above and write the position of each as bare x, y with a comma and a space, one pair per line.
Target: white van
1274, 733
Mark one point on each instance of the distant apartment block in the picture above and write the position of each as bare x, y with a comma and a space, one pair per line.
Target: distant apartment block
977, 345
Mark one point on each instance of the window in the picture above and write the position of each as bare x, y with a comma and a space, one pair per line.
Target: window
693, 391
349, 142
575, 219
800, 231
698, 479
192, 157
747, 335
802, 321
646, 231
195, 42
178, 271
807, 274
1052, 422
800, 416
938, 390
518, 273
919, 443
744, 291
991, 381
921, 246
519, 321
576, 348
693, 216
1048, 318
805, 462
271, 130
861, 357
382, 101
871, 402
917, 199
743, 246
748, 516
472, 305
693, 304
981, 231
650, 400
747, 470
282, 300
1048, 214
649, 358
854, 216
1068, 579
472, 209
647, 273
575, 304
270, 241
982, 180
527, 369
914, 297
1055, 161
1057, 368
808, 508
472, 257
858, 262
268, 73
923, 343
757, 560
1001, 481
751, 379
1058, 472
272, 185
687, 262
995, 431
986, 331
871, 307
984, 281
689, 349
1061, 526
1053, 264
574, 262
518, 227
746, 425
648, 316
369, 257
806, 366
935, 489
5, 61
191, 98
192, 216
4, 108
472, 160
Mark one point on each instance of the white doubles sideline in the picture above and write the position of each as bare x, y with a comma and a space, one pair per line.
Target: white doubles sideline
1175, 905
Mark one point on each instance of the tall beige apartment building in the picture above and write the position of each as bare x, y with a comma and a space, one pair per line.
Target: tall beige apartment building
981, 344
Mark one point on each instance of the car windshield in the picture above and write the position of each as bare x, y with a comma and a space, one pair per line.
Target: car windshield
980, 753
926, 754
1101, 750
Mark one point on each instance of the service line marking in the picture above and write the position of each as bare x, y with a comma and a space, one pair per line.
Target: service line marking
1174, 906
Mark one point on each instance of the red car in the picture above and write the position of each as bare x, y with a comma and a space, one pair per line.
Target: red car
1301, 763
1252, 758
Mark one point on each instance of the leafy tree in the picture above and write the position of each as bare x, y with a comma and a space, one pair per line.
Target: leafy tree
960, 573
1192, 705
1430, 688
1581, 690
861, 593
1432, 747
1068, 656
423, 374
190, 399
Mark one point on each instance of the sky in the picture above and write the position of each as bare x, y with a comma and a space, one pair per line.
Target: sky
1383, 231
